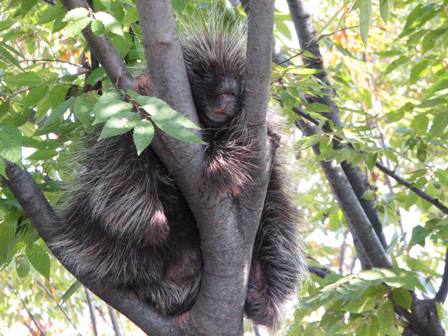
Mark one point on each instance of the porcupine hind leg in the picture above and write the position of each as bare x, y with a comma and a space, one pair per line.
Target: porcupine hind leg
122, 189
277, 262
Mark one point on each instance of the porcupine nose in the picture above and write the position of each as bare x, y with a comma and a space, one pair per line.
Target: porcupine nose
227, 103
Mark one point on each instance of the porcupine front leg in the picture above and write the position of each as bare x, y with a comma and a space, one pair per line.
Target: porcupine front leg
227, 168
277, 262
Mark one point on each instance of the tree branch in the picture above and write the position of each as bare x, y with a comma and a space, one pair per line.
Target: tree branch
443, 290
389, 172
356, 218
105, 52
225, 224
45, 221
434, 201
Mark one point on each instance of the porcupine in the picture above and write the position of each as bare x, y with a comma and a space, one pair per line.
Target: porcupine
125, 223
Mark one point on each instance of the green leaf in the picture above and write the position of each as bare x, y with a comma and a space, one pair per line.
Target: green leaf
431, 102
385, 7
109, 22
51, 13
168, 120
119, 124
365, 16
419, 234
122, 44
402, 297
26, 79
395, 64
179, 5
420, 123
422, 151
431, 38
108, 105
318, 108
26, 6
386, 317
130, 17
417, 70
72, 290
439, 124
22, 266
2, 167
143, 135
10, 143
83, 109
7, 237
35, 95
95, 76
39, 259
77, 19
42, 154
8, 57
302, 71
55, 116
98, 28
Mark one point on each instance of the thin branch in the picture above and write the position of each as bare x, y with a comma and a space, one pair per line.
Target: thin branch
91, 306
443, 290
434, 201
49, 60
114, 320
58, 305
25, 306
32, 200
342, 254
315, 40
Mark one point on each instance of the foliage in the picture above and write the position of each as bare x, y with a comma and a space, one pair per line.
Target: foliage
388, 66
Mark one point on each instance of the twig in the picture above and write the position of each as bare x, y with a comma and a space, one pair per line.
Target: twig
315, 40
51, 296
434, 201
443, 290
114, 320
51, 60
342, 254
91, 306
25, 305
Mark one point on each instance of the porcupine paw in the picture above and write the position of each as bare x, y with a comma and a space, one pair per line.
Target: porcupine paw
274, 138
158, 229
259, 306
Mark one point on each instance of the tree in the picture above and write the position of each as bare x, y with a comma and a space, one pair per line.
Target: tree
383, 110
220, 224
